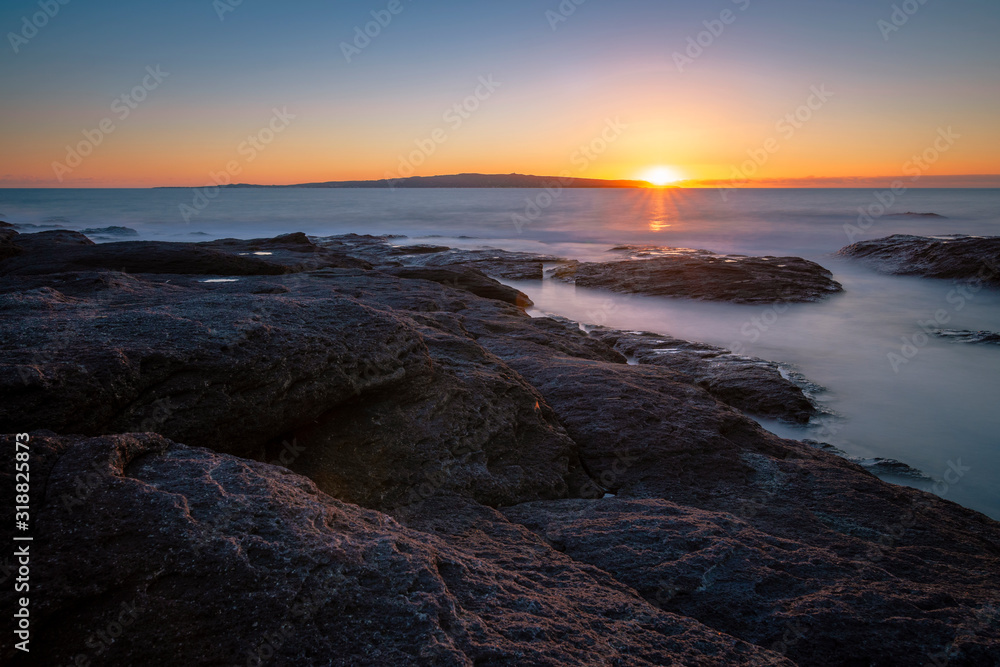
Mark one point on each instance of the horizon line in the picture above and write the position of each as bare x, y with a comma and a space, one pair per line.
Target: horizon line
944, 181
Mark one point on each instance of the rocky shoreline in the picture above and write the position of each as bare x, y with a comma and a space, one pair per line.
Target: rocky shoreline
341, 451
953, 257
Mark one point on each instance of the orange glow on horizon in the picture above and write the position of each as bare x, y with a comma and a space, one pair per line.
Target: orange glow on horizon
710, 149
309, 153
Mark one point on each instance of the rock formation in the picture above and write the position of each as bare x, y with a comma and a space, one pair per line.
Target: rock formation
957, 257
706, 276
358, 462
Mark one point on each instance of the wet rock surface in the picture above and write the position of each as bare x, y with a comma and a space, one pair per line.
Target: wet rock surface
460, 456
877, 465
954, 257
296, 252
964, 336
389, 251
113, 231
753, 385
463, 277
62, 251
703, 275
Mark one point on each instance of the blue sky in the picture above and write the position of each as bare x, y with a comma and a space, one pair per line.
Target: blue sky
606, 59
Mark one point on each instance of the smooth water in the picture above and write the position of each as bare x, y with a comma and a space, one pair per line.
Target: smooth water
938, 412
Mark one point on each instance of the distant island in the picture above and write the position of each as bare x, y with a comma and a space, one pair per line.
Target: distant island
467, 181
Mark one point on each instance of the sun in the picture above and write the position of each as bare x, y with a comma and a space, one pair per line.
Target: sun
660, 176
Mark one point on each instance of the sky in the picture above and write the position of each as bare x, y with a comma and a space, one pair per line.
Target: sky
836, 93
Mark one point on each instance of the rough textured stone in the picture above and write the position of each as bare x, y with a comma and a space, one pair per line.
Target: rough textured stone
380, 250
379, 402
706, 276
202, 558
465, 278
753, 385
62, 251
818, 606
295, 251
724, 544
103, 353
957, 257
65, 251
8, 243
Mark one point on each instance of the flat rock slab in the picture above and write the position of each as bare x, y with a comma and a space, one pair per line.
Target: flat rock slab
63, 251
706, 276
957, 257
296, 251
466, 278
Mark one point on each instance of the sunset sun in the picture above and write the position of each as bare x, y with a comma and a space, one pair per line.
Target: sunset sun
661, 176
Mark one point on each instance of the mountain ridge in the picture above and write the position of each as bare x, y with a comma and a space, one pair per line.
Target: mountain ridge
467, 180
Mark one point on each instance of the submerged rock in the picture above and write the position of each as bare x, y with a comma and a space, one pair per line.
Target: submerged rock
965, 336
877, 465
707, 276
28, 225
110, 231
957, 257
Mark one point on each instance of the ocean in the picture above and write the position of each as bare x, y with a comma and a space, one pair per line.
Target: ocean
937, 412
